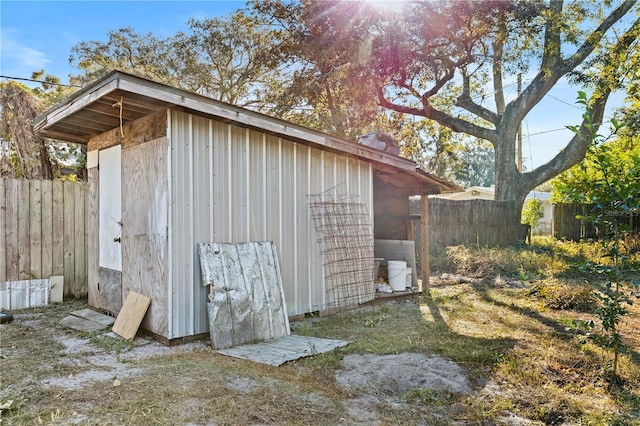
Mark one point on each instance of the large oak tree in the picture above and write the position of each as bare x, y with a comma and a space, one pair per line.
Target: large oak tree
448, 61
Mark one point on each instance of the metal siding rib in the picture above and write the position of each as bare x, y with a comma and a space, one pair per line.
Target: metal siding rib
296, 255
247, 187
201, 228
231, 184
170, 215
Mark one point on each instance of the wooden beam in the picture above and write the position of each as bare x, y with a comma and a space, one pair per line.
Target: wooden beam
424, 239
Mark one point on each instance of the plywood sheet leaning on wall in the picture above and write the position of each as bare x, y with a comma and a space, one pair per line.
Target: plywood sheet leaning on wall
246, 302
131, 315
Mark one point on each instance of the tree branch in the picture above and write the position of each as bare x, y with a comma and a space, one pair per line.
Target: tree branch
465, 101
498, 46
552, 43
575, 150
594, 38
447, 120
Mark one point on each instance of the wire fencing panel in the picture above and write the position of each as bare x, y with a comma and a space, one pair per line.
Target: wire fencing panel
43, 232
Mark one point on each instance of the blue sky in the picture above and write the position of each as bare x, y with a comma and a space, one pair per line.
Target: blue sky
40, 34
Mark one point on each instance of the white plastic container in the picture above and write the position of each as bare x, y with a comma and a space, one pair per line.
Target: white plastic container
397, 274
409, 281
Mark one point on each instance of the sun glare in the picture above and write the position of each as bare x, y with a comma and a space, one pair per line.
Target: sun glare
388, 5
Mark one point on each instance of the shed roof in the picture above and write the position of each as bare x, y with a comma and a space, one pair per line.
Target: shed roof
119, 98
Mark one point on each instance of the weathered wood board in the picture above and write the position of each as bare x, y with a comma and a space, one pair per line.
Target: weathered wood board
246, 303
131, 315
283, 349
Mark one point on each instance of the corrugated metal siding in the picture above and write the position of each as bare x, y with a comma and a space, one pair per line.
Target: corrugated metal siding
231, 184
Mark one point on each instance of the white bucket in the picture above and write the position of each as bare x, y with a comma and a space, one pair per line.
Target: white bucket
397, 274
409, 282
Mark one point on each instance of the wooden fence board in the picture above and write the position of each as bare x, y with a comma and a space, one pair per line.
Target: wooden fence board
47, 228
478, 222
24, 249
11, 230
57, 250
79, 250
35, 229
3, 241
69, 239
43, 233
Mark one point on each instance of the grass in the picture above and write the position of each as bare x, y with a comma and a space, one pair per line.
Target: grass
510, 339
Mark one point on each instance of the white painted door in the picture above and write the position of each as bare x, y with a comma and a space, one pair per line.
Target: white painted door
110, 228
110, 203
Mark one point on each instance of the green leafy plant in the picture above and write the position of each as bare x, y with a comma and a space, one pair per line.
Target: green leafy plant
613, 201
532, 212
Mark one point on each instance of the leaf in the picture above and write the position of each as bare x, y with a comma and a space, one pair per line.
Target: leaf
116, 383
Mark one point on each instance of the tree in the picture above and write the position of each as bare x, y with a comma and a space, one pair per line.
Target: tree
228, 58
26, 155
609, 166
436, 59
477, 165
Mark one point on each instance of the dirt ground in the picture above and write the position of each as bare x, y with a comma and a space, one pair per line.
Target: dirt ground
103, 357
512, 368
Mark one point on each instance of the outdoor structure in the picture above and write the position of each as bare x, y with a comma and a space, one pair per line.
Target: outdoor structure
169, 169
545, 223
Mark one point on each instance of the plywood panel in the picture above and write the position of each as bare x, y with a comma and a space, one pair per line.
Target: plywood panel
93, 265
131, 315
144, 230
47, 228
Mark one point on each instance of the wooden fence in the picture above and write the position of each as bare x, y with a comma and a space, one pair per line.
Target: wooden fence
477, 222
566, 224
43, 233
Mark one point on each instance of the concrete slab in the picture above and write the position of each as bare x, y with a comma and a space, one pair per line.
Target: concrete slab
92, 315
81, 324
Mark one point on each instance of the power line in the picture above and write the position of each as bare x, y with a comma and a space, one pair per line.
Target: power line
38, 81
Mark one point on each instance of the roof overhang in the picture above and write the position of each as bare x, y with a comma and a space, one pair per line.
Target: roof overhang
119, 98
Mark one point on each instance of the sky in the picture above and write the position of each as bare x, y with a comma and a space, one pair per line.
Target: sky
38, 35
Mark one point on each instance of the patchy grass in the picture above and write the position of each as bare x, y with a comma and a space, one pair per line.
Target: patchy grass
510, 339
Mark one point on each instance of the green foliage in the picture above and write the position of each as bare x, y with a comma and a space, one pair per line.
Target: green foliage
30, 156
611, 200
232, 58
532, 212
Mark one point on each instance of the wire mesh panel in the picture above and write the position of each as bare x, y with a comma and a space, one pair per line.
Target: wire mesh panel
345, 235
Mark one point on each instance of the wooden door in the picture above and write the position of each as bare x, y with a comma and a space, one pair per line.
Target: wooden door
110, 229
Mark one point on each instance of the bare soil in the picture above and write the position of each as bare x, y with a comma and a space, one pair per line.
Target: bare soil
81, 361
470, 351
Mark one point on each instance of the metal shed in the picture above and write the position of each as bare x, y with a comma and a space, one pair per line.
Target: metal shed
169, 169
